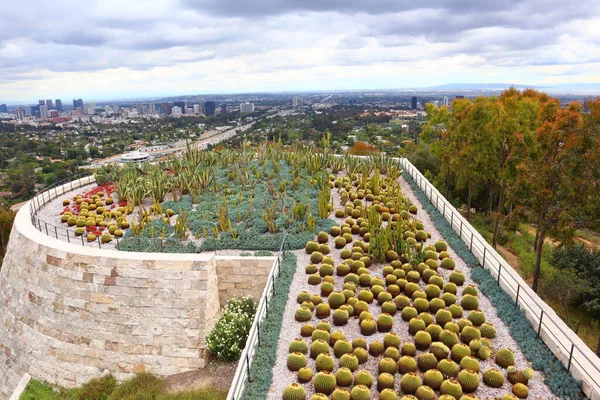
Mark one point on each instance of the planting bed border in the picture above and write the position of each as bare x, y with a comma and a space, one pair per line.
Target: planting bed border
558, 379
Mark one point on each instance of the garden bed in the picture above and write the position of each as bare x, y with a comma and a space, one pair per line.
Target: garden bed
283, 376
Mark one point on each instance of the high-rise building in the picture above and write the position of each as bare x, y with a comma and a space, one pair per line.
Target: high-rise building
166, 108
176, 110
20, 113
3, 109
446, 101
59, 106
49, 104
78, 103
152, 108
209, 107
247, 107
196, 108
41, 102
223, 108
180, 104
414, 102
43, 111
28, 110
90, 108
294, 102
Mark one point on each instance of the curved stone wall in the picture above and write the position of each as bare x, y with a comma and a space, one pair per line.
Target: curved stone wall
70, 313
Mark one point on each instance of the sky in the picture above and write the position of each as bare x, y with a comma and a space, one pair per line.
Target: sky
114, 49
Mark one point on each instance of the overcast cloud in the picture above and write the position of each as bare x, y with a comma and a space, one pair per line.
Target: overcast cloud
126, 48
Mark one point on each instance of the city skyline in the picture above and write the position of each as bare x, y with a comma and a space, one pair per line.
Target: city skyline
112, 49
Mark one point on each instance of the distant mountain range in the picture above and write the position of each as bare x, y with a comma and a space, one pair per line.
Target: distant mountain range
501, 86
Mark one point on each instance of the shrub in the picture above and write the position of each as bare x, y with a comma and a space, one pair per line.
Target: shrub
228, 338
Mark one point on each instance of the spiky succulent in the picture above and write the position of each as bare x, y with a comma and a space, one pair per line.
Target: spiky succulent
451, 387
343, 377
410, 382
317, 347
386, 364
364, 378
385, 322
469, 302
294, 392
425, 393
305, 375
388, 394
427, 361
433, 378
385, 380
469, 380
303, 314
368, 327
407, 364
505, 358
324, 382
488, 330
376, 349
295, 361
360, 392
520, 390
448, 368
324, 362
340, 394
298, 345
470, 363
349, 361
391, 339
493, 378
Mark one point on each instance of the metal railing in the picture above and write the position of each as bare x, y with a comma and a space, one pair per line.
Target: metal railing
242, 373
574, 354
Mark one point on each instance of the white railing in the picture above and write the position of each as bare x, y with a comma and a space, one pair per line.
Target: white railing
242, 373
577, 358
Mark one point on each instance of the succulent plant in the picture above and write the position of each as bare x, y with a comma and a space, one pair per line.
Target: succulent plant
448, 368
434, 330
449, 338
298, 345
470, 363
425, 393
469, 380
360, 392
470, 333
427, 361
409, 349
391, 339
443, 316
469, 302
477, 317
403, 302
392, 352
340, 393
515, 376
452, 388
388, 394
350, 361
487, 330
361, 354
303, 314
385, 322
376, 349
294, 392
324, 362
318, 347
305, 375
520, 390
321, 334
306, 330
324, 382
449, 298
528, 373
505, 358
462, 323
422, 339
410, 382
406, 364
295, 361
389, 307
359, 342
493, 378
433, 378
439, 350
409, 313
311, 247
364, 378
484, 353
508, 396
343, 377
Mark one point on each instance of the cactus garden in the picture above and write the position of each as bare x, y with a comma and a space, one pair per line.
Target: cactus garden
382, 307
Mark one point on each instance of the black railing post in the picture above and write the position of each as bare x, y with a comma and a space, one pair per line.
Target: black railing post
499, 272
444, 211
570, 357
484, 250
471, 241
68, 238
540, 327
56, 232
460, 232
517, 299
452, 219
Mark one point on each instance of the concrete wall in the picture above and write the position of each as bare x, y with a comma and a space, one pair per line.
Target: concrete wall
70, 313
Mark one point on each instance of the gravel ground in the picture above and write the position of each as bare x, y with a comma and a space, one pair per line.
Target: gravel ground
282, 376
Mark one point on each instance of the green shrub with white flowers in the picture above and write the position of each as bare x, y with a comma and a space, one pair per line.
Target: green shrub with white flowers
228, 337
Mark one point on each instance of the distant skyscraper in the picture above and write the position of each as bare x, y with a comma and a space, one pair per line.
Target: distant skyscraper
49, 104
41, 102
28, 110
90, 108
209, 107
196, 108
176, 110
247, 107
3, 109
414, 102
59, 106
180, 104
20, 113
166, 108
446, 101
43, 111
223, 108
78, 103
294, 102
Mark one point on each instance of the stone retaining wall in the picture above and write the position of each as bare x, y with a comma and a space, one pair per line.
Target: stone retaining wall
70, 313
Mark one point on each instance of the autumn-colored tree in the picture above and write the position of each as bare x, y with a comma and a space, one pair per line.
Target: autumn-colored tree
552, 177
434, 133
361, 148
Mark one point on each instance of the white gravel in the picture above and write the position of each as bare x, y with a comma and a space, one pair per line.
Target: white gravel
282, 376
